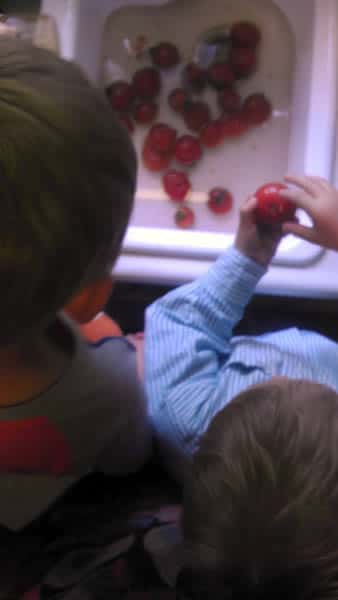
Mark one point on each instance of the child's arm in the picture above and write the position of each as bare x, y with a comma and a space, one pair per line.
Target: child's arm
320, 200
188, 335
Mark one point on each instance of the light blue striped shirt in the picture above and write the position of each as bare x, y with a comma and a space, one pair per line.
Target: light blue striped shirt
194, 366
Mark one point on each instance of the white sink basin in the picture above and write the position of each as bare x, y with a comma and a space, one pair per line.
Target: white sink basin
298, 71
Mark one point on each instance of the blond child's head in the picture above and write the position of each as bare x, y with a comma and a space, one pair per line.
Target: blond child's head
67, 181
261, 505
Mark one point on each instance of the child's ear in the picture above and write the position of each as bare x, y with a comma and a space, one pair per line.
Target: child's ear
91, 300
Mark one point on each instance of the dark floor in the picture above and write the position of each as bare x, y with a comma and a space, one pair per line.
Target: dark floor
264, 313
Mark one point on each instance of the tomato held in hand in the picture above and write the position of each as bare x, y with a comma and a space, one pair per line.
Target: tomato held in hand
272, 207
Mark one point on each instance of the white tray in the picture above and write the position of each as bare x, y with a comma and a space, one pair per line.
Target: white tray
297, 71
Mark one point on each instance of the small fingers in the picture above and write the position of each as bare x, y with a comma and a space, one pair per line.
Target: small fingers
306, 233
249, 205
322, 183
300, 198
305, 183
247, 210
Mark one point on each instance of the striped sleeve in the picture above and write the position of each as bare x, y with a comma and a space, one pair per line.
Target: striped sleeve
188, 334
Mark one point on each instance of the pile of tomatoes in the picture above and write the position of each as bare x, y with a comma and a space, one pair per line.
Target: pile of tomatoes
137, 103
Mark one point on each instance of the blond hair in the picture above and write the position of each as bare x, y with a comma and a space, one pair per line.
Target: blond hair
261, 505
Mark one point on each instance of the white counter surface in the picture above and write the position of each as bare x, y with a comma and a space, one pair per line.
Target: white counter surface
319, 280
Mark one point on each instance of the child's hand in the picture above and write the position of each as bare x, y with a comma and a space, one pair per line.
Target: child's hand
320, 200
258, 242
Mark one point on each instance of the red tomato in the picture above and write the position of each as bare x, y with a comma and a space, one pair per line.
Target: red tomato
220, 201
188, 150
147, 83
243, 61
145, 112
176, 184
184, 217
153, 160
220, 75
212, 134
162, 138
234, 126
196, 115
177, 99
257, 109
229, 100
194, 77
121, 95
245, 34
165, 55
272, 207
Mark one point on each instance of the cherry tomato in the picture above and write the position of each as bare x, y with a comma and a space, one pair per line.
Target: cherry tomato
165, 55
194, 77
184, 217
212, 134
220, 75
272, 207
257, 109
147, 83
177, 99
229, 100
245, 34
176, 184
145, 112
188, 150
234, 126
162, 138
121, 95
220, 201
153, 160
196, 115
243, 61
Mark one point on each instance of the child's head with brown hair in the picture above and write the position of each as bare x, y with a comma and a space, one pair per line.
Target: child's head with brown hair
261, 504
67, 181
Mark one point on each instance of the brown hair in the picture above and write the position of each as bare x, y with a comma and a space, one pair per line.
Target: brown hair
67, 182
261, 503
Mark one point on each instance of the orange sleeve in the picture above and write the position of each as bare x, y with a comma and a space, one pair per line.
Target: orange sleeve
99, 328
